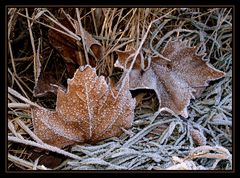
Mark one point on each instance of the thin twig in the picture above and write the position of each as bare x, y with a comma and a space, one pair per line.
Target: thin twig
25, 163
44, 146
24, 127
83, 35
19, 96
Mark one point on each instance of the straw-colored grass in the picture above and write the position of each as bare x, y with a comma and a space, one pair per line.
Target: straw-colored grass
156, 141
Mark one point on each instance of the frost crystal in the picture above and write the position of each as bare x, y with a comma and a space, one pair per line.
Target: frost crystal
176, 81
90, 111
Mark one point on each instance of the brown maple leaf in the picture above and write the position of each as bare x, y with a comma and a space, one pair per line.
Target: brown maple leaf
72, 50
89, 111
174, 81
45, 84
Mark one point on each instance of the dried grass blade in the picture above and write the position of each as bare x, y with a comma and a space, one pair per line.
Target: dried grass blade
44, 146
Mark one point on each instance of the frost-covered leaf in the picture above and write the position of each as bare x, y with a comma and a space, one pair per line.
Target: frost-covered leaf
175, 81
89, 111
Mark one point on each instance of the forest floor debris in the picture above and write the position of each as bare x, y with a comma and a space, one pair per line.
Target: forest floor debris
203, 141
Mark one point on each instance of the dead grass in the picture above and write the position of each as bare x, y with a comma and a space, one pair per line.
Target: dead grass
155, 142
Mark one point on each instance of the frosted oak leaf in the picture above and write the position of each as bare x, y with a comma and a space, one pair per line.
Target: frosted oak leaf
89, 111
174, 81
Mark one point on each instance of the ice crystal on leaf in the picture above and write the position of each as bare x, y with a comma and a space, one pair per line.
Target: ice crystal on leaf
89, 111
175, 81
